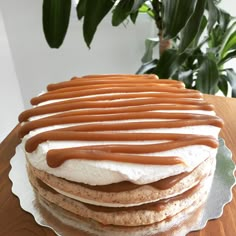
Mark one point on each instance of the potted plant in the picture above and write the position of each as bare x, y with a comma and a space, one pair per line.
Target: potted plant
195, 38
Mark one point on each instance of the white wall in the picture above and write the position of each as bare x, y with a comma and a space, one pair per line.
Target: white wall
11, 102
114, 50
229, 6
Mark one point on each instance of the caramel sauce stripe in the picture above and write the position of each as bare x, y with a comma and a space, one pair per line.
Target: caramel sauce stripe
106, 96
107, 108
77, 87
78, 104
55, 158
118, 152
160, 120
147, 108
56, 135
90, 80
101, 90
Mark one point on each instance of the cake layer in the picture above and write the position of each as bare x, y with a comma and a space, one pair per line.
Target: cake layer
179, 224
127, 193
127, 216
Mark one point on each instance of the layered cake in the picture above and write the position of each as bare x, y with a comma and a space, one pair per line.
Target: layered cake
122, 150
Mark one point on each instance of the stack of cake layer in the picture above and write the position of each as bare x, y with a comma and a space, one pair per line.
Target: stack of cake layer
125, 150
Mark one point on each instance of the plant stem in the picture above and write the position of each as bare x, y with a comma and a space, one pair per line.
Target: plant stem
164, 44
157, 10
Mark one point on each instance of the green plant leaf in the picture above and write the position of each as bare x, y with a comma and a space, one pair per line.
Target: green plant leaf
175, 15
186, 77
193, 59
208, 76
228, 57
56, 15
146, 67
137, 4
203, 25
226, 38
80, 8
230, 44
222, 84
223, 19
170, 61
146, 9
135, 9
150, 43
121, 11
190, 31
133, 16
212, 14
95, 11
216, 37
231, 77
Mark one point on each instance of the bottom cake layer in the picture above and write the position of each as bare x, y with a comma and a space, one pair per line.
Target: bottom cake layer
144, 214
71, 224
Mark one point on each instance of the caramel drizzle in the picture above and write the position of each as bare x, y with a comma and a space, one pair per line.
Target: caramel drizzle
124, 76
135, 94
124, 186
112, 79
78, 87
78, 104
184, 140
124, 153
179, 120
107, 91
103, 90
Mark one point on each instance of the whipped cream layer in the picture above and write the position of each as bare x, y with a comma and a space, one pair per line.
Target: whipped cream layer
107, 172
101, 99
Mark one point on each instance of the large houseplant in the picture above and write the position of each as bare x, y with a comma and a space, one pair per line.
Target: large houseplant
195, 38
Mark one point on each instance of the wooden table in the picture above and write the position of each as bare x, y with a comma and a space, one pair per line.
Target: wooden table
16, 222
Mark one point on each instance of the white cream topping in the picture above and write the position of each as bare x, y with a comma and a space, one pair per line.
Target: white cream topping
107, 172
